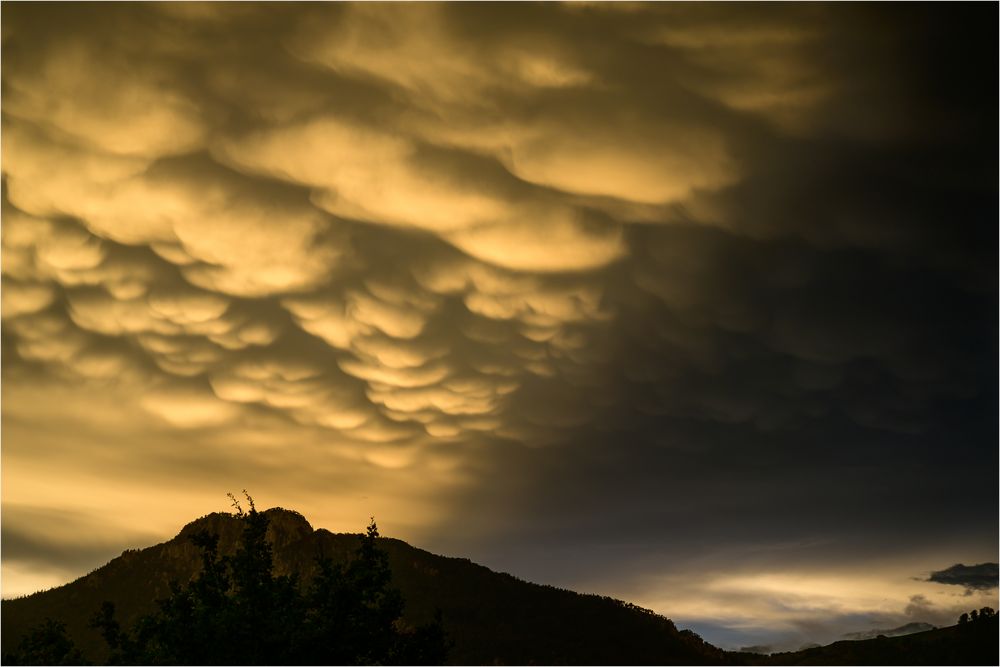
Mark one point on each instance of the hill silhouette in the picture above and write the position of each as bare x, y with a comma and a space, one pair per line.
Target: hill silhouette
488, 617
975, 644
907, 629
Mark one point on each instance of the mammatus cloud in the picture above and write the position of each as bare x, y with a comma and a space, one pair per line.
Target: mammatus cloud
982, 577
404, 200
618, 277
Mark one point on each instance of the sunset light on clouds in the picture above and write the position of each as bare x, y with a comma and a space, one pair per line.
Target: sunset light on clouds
689, 304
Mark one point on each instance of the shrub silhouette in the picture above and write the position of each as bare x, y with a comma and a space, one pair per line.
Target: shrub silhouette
237, 612
46, 644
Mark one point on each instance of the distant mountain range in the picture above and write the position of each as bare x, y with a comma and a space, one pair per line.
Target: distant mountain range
491, 618
908, 629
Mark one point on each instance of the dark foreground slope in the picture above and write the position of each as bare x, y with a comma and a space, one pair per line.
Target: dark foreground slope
972, 644
491, 617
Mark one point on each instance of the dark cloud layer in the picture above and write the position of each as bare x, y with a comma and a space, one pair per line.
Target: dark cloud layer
37, 534
635, 294
980, 577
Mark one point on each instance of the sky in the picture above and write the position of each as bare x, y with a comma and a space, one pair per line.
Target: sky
694, 305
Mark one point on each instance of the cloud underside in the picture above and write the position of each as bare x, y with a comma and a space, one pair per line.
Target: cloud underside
982, 577
439, 223
422, 248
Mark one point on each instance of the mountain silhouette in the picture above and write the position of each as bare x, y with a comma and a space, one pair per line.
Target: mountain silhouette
908, 629
488, 617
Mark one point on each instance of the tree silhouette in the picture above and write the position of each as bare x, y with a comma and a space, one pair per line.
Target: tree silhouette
46, 644
977, 617
237, 612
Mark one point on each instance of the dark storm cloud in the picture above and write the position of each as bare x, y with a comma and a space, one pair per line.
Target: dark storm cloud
980, 577
64, 541
667, 287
